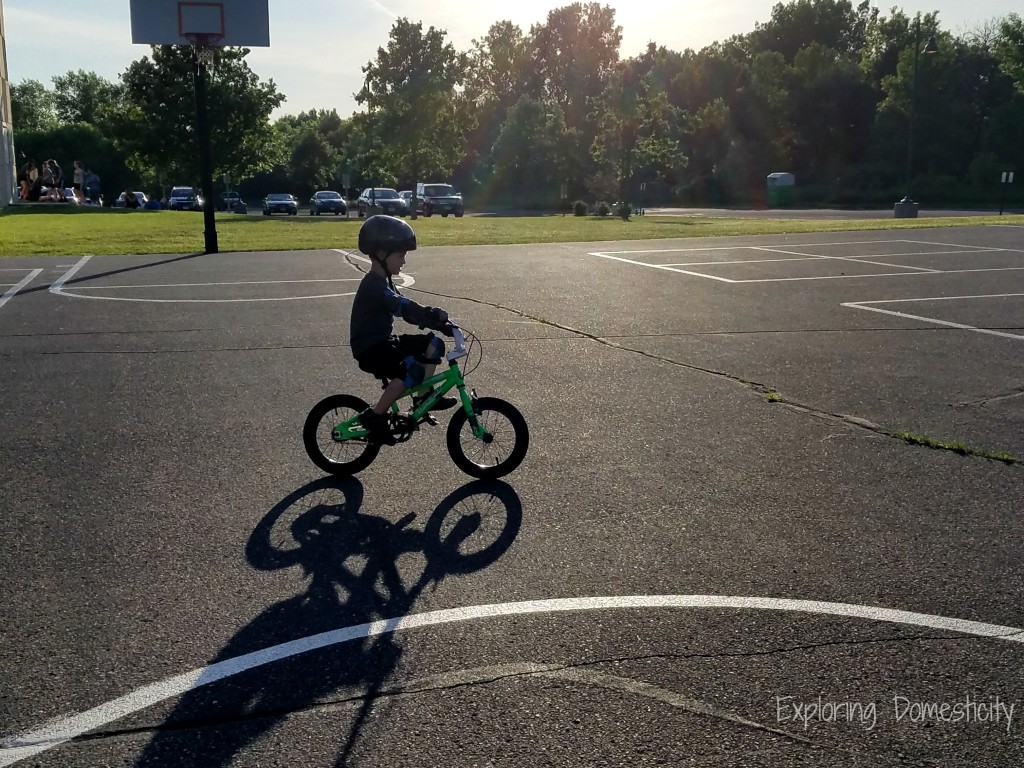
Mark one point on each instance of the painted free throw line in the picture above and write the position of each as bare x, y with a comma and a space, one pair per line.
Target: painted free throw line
62, 730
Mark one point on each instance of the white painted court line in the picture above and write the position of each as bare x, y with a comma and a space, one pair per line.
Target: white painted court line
740, 247
61, 730
803, 256
865, 305
666, 268
880, 274
202, 285
407, 280
59, 283
942, 298
58, 288
953, 245
855, 259
740, 261
194, 301
18, 286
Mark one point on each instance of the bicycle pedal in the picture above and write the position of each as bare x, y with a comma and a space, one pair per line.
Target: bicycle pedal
430, 419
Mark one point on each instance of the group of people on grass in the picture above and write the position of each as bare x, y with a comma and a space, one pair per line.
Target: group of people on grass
46, 183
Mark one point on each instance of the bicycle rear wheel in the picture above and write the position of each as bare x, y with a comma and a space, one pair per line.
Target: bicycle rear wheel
337, 457
501, 449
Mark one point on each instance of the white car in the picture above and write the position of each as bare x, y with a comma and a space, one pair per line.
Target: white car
140, 196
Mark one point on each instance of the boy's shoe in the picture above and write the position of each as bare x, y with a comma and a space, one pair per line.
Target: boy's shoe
378, 427
442, 404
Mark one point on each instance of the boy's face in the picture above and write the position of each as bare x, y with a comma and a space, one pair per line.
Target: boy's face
394, 263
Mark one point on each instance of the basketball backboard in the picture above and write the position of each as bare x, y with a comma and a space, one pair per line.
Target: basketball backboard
177, 22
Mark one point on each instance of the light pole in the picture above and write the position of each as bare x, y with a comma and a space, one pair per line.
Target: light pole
929, 49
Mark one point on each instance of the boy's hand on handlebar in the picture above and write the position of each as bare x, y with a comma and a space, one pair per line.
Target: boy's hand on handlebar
448, 329
437, 317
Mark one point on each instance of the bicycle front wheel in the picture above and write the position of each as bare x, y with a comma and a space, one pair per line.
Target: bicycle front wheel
337, 457
500, 449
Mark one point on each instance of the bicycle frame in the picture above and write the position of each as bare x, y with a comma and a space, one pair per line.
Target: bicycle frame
446, 381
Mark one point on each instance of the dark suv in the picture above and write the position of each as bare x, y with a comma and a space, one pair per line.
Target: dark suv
438, 198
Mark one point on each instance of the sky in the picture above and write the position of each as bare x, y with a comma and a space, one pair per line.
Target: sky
317, 47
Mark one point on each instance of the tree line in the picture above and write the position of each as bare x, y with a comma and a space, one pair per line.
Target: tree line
823, 89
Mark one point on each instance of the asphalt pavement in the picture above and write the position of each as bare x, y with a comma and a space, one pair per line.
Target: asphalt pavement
717, 552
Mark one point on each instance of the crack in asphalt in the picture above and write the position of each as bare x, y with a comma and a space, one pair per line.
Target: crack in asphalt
763, 389
580, 672
995, 398
492, 674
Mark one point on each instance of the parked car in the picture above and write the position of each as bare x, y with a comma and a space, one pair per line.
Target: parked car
407, 196
279, 202
231, 201
184, 199
140, 196
387, 200
326, 201
438, 198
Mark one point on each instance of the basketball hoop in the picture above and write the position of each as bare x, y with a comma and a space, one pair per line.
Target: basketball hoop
204, 47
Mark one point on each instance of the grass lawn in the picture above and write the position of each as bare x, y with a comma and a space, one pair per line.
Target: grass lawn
72, 231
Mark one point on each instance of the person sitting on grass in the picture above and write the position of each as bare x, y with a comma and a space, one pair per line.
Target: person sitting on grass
405, 360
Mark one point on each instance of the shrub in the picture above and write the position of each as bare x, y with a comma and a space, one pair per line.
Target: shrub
623, 210
579, 208
602, 208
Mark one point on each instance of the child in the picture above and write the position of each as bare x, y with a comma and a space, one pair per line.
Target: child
406, 360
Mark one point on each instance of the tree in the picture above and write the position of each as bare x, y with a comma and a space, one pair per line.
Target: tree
1010, 49
159, 121
32, 107
410, 93
831, 23
85, 97
534, 153
574, 55
638, 135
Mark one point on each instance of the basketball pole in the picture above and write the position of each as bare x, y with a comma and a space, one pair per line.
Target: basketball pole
205, 163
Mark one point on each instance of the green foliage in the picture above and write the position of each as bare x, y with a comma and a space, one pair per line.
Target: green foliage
1009, 49
158, 126
579, 208
32, 107
822, 89
85, 97
409, 92
601, 208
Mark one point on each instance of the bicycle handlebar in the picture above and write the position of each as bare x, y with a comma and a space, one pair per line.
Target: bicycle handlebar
460, 344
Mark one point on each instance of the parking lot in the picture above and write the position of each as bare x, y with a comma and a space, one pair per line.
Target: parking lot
718, 551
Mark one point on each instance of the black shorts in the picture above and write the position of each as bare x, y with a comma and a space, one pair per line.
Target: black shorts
390, 359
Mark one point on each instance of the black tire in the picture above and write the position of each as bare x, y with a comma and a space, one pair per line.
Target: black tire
506, 451
316, 435
459, 214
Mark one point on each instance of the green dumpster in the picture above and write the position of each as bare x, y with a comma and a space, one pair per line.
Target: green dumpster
781, 189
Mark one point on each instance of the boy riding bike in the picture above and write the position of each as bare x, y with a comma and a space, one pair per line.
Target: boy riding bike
405, 360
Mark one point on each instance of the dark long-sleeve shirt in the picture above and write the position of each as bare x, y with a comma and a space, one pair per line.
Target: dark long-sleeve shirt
374, 310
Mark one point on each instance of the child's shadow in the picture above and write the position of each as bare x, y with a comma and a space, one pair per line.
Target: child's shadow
352, 562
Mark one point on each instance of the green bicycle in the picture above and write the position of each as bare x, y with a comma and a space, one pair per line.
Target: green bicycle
487, 437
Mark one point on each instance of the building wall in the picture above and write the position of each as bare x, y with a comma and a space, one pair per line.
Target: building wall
7, 163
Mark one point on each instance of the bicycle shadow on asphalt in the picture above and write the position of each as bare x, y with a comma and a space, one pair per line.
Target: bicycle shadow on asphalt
359, 567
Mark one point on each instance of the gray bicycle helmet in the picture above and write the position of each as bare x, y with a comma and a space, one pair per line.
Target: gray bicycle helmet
385, 233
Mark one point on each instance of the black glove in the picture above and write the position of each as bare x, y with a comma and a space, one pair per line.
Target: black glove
448, 329
436, 317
